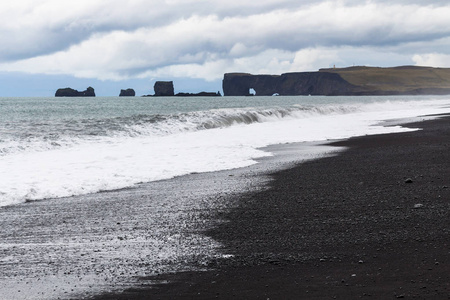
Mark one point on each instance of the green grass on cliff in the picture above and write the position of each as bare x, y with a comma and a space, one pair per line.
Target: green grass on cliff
394, 79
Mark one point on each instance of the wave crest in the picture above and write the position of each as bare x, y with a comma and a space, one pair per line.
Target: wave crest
36, 137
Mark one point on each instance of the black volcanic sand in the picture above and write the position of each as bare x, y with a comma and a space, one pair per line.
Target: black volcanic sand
372, 222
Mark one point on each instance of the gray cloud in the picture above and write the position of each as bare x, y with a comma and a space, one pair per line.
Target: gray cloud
116, 40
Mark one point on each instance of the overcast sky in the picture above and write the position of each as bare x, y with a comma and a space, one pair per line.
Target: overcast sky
112, 44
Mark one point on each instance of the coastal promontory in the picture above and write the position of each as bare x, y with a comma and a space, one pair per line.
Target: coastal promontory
405, 80
69, 92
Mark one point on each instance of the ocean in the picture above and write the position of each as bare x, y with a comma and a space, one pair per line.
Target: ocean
59, 147
93, 189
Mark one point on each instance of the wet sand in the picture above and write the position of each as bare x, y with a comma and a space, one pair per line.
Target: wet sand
372, 222
81, 246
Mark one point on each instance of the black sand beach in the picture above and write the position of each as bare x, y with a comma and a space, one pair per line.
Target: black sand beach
372, 222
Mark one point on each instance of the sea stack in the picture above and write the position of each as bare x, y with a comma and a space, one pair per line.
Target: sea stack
164, 88
127, 93
69, 92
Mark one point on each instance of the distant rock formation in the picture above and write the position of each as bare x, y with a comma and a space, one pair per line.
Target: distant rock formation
127, 93
164, 88
308, 83
201, 94
407, 80
69, 92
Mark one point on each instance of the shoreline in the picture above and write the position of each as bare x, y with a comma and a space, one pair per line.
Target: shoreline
112, 245
81, 246
371, 221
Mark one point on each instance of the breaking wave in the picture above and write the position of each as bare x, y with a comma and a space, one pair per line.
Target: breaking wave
43, 136
60, 157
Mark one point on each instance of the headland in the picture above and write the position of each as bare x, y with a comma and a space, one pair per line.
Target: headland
404, 80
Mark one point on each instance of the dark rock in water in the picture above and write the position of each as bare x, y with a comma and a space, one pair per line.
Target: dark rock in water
69, 92
89, 92
201, 94
164, 88
127, 93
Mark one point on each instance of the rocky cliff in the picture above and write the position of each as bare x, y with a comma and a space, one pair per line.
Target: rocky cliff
127, 93
69, 92
408, 80
307, 83
164, 88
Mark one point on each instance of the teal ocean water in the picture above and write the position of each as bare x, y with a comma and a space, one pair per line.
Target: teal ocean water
58, 147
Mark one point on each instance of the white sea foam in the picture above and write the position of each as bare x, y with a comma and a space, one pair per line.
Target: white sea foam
186, 143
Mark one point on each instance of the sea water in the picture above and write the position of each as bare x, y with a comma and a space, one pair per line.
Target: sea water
59, 147
96, 242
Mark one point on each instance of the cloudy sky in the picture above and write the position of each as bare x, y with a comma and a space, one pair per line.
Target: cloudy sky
112, 44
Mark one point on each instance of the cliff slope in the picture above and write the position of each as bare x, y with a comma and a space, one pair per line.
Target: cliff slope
406, 80
409, 80
164, 88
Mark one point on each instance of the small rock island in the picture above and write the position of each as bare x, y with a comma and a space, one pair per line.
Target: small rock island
166, 89
127, 93
69, 92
